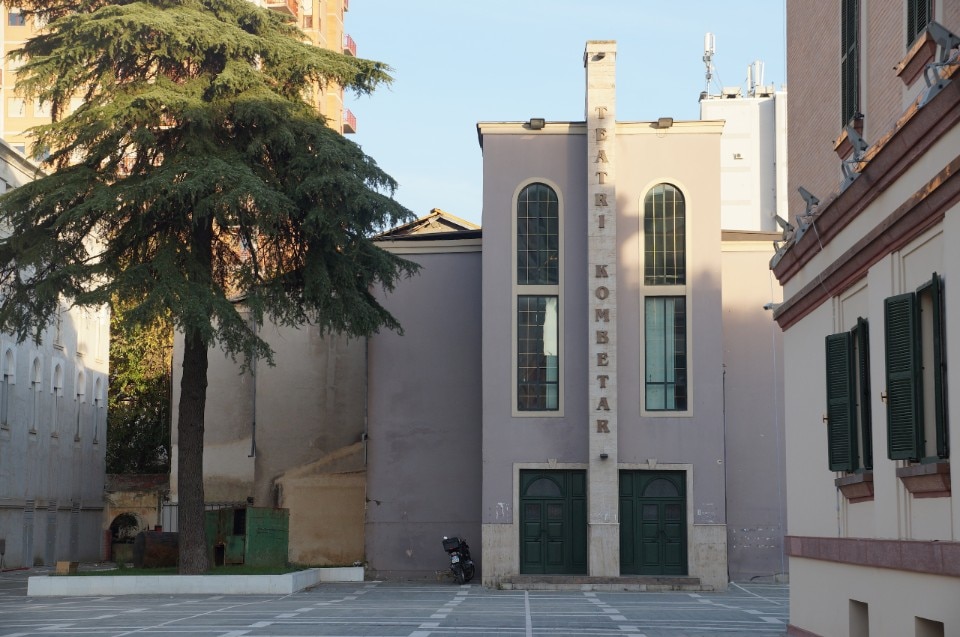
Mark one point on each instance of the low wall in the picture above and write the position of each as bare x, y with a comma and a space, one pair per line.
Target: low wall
46, 586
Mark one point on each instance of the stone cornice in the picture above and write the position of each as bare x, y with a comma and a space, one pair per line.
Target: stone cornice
916, 556
915, 134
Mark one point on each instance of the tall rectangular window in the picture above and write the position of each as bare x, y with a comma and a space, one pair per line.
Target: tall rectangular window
538, 353
849, 60
665, 338
537, 298
664, 299
849, 432
919, 15
916, 401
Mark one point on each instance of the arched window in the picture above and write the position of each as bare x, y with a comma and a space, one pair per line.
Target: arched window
6, 386
665, 299
544, 488
36, 377
80, 398
537, 299
97, 408
538, 236
57, 390
664, 236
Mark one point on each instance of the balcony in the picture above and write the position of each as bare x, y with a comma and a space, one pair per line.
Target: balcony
349, 46
349, 122
287, 7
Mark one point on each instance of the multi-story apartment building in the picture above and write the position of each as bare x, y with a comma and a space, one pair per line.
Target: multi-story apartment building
320, 20
871, 284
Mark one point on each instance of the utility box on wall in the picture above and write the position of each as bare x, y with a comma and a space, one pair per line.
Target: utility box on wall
255, 536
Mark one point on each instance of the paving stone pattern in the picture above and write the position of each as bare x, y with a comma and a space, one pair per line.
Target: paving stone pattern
382, 609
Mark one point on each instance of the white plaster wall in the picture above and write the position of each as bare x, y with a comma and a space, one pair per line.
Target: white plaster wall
53, 471
820, 594
752, 154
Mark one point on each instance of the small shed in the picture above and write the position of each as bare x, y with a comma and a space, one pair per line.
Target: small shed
255, 536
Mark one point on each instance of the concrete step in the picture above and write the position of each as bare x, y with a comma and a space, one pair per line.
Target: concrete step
588, 583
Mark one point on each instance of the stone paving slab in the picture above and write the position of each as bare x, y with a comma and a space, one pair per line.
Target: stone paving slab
382, 609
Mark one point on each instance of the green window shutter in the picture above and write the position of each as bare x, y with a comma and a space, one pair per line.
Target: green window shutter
904, 404
863, 365
841, 418
936, 292
849, 62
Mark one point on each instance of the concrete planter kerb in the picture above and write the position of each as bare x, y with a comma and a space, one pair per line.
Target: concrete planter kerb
47, 586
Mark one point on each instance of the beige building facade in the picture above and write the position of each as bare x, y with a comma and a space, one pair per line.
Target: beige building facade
869, 274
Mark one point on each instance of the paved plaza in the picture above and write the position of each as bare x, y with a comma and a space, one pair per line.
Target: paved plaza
388, 609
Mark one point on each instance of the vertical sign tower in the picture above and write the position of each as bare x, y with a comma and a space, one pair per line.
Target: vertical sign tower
599, 60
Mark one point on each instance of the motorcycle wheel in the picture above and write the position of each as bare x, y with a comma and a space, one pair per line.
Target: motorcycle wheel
458, 574
468, 572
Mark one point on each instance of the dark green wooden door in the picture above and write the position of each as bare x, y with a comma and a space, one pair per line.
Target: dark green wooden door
653, 523
553, 522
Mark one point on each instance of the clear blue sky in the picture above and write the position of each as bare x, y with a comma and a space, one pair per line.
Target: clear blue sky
457, 62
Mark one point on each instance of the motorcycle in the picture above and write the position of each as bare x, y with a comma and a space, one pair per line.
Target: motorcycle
460, 562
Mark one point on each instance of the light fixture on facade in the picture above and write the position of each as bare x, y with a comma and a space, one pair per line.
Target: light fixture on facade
536, 123
946, 42
665, 122
604, 455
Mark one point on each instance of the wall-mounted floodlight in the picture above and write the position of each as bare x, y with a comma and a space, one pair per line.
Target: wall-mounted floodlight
805, 220
665, 122
946, 42
536, 123
850, 167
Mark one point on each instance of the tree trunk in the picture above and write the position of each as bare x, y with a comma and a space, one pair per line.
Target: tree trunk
193, 399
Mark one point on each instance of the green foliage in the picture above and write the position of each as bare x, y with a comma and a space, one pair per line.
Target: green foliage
138, 418
196, 175
195, 171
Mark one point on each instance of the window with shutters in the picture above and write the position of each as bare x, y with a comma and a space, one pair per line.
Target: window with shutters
537, 322
849, 60
919, 15
915, 365
849, 431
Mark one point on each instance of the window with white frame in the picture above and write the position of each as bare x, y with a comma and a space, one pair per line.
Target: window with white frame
80, 399
56, 391
7, 381
664, 293
537, 299
36, 378
97, 408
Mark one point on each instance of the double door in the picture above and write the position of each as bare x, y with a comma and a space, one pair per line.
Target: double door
553, 522
653, 523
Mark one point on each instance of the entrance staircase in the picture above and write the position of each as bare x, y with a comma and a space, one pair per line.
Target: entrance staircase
588, 583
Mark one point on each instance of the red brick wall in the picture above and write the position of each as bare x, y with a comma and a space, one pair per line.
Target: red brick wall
885, 35
813, 87
813, 83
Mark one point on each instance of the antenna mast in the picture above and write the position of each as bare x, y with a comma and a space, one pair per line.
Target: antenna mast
709, 48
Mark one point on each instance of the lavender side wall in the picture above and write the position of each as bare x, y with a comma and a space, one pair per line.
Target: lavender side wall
423, 451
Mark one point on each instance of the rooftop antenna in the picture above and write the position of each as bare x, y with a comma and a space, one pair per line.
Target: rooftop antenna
709, 48
754, 78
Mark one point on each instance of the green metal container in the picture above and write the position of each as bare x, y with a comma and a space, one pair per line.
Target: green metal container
255, 536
